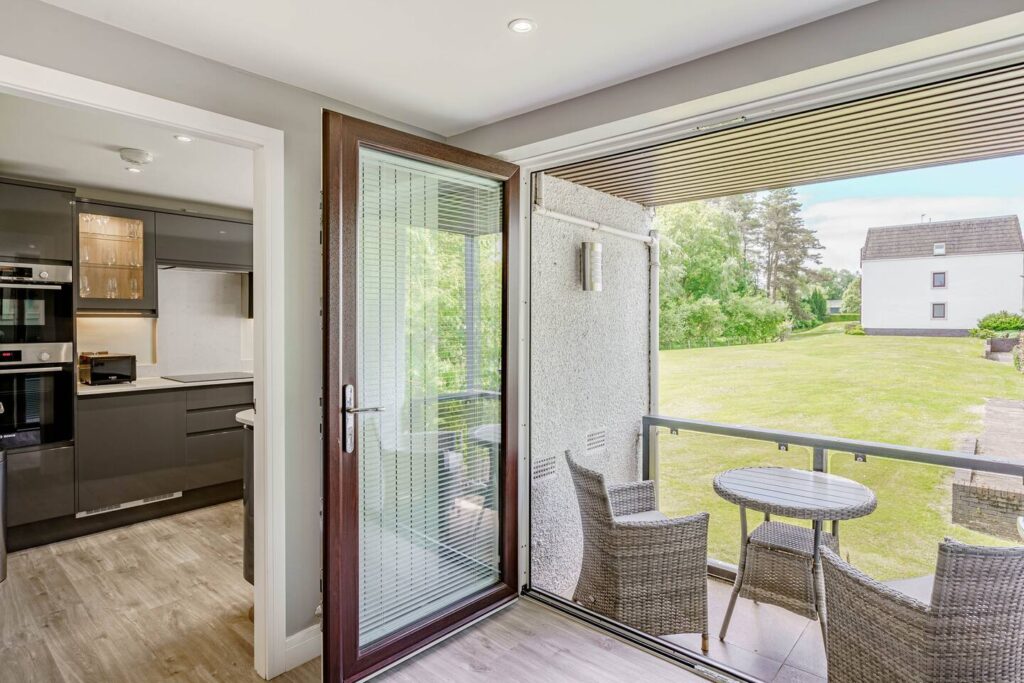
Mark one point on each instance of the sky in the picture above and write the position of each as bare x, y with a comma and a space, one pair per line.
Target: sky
841, 211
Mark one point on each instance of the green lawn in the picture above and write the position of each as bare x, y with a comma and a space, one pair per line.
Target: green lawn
924, 392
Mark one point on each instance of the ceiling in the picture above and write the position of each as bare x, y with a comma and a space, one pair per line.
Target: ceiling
79, 148
452, 65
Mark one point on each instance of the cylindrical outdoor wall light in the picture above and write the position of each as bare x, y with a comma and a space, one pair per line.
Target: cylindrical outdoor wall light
591, 259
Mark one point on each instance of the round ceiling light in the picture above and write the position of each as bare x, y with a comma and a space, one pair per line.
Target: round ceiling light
522, 25
133, 169
183, 138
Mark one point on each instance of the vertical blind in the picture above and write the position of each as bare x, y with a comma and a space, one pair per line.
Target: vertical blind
429, 353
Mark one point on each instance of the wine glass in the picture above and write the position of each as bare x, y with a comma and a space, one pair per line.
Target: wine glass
83, 286
111, 288
133, 288
85, 256
111, 256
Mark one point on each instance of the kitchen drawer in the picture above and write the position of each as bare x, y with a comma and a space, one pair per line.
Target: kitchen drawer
40, 485
214, 458
213, 419
219, 396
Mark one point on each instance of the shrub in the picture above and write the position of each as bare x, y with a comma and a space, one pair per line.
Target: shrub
854, 329
1018, 356
982, 333
1002, 321
755, 318
703, 319
842, 317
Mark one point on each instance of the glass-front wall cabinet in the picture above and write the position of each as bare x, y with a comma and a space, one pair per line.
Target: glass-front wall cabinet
116, 262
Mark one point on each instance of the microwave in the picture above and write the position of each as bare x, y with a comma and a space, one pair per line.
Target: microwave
106, 368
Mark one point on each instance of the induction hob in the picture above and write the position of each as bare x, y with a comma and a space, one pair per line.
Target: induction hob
208, 377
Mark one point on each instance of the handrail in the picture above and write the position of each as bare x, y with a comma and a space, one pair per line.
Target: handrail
821, 444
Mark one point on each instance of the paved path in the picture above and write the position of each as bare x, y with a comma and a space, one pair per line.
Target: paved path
1003, 433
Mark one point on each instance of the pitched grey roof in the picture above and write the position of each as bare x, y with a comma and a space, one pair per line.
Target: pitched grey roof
967, 236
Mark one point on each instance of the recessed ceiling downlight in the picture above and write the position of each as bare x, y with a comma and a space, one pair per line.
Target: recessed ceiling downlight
133, 169
522, 25
183, 138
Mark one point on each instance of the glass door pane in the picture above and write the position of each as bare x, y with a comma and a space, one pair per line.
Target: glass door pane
110, 255
429, 309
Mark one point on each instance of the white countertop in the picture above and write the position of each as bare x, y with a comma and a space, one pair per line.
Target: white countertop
151, 384
247, 417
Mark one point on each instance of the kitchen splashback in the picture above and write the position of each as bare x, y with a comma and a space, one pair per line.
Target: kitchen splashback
202, 327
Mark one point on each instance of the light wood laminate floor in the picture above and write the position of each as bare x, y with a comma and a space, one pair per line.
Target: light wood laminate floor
165, 601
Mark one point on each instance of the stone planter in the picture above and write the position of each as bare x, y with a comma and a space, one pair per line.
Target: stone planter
1000, 345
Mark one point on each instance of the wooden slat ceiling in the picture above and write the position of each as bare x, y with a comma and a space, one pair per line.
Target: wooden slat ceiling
964, 119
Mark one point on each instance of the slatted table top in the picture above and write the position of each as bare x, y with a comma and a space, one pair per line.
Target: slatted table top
796, 493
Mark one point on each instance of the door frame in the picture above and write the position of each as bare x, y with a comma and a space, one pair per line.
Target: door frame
25, 79
342, 660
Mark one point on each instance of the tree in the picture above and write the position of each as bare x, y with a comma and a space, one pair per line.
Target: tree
743, 209
851, 297
818, 304
787, 248
835, 282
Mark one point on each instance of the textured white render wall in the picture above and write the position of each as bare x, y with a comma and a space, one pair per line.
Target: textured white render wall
897, 293
588, 365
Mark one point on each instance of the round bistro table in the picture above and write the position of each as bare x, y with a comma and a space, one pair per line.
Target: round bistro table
779, 562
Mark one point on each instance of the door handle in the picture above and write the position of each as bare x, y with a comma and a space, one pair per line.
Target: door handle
349, 410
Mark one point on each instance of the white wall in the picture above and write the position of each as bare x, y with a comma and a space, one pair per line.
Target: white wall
897, 294
40, 33
588, 365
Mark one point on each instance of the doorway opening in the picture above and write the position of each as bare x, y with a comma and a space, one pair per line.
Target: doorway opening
132, 302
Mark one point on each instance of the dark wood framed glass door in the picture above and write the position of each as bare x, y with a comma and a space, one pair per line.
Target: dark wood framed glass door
420, 483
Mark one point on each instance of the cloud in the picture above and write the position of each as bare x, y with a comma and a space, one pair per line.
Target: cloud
842, 224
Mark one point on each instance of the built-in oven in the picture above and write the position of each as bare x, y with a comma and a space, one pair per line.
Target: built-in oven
37, 393
36, 304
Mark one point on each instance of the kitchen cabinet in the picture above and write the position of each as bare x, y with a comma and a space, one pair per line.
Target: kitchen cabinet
188, 240
116, 259
36, 222
130, 447
40, 485
215, 447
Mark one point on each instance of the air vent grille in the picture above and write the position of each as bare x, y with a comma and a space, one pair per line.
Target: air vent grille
544, 468
597, 441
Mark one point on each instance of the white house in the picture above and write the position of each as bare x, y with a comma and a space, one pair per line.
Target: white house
940, 278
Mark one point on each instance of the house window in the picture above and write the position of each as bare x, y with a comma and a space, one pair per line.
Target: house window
938, 280
938, 311
939, 249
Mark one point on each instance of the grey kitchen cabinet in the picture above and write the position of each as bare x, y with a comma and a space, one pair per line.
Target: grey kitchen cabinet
116, 259
214, 458
216, 441
40, 485
130, 447
183, 239
37, 222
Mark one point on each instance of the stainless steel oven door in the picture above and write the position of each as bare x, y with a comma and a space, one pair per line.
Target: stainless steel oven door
36, 405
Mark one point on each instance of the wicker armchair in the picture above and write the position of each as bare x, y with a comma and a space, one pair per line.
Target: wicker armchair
972, 631
639, 567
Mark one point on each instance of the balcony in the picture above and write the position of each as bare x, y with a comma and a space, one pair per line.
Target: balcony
896, 542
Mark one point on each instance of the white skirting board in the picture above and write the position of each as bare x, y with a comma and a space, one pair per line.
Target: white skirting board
303, 646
